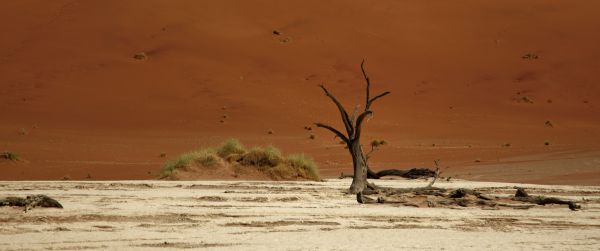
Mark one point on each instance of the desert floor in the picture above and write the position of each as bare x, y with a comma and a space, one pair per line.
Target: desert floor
260, 215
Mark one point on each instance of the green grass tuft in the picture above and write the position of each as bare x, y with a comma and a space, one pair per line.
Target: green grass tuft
231, 146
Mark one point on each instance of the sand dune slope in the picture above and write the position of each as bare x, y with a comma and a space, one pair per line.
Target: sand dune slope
466, 77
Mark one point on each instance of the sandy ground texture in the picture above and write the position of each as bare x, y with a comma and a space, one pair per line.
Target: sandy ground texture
473, 83
257, 215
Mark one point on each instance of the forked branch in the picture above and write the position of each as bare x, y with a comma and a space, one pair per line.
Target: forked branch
335, 131
343, 113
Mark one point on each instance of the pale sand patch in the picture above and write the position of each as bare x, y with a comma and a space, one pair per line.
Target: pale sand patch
258, 215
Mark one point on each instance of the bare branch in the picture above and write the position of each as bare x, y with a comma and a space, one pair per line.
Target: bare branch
354, 113
370, 102
359, 121
362, 68
337, 133
368, 155
437, 172
345, 118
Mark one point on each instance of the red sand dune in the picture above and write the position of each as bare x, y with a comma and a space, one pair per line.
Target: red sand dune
74, 102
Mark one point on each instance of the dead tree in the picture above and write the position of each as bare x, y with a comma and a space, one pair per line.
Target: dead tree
428, 195
351, 138
352, 126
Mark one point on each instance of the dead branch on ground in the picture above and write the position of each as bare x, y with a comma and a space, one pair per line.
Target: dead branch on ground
30, 202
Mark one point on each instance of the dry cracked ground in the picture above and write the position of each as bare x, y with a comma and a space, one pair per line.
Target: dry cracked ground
258, 215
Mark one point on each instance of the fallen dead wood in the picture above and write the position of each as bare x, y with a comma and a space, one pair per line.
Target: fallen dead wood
430, 196
30, 202
413, 173
522, 195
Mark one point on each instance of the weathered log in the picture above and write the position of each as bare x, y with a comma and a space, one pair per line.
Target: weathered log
30, 202
523, 196
459, 197
462, 192
413, 173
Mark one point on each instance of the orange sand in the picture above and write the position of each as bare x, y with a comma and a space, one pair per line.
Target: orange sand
74, 102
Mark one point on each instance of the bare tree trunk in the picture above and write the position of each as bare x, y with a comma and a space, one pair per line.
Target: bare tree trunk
359, 181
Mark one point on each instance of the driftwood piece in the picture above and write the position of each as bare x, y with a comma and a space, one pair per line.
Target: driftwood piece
523, 196
413, 173
30, 202
430, 196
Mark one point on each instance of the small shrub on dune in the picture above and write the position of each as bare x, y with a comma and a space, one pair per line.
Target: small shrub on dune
9, 156
305, 166
207, 157
281, 172
204, 157
267, 157
268, 160
182, 161
231, 146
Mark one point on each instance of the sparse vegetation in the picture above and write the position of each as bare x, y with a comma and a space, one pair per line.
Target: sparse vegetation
530, 56
376, 143
10, 156
233, 155
205, 157
525, 99
140, 56
261, 157
304, 165
230, 146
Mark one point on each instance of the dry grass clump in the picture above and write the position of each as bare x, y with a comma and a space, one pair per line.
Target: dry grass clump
230, 146
232, 155
205, 157
9, 156
305, 166
262, 157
